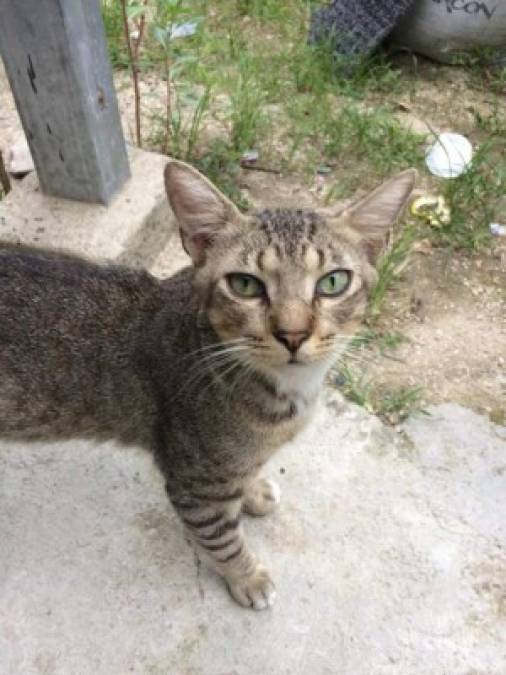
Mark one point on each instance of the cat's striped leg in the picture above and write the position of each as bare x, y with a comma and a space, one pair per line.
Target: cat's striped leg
261, 496
215, 528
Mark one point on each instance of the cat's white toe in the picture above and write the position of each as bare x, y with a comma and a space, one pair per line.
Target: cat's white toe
273, 490
262, 497
256, 591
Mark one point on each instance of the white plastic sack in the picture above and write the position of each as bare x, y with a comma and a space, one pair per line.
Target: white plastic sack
445, 29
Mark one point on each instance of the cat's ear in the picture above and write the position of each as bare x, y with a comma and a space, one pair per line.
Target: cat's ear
373, 215
200, 208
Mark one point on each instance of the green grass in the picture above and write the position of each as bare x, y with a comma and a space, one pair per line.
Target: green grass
372, 136
390, 267
256, 55
474, 197
497, 81
180, 136
246, 106
365, 145
220, 163
396, 405
263, 10
384, 341
356, 386
393, 405
483, 63
113, 23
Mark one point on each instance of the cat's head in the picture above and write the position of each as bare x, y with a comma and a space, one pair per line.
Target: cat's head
283, 287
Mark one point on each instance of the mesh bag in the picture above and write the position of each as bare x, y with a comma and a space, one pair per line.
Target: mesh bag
355, 27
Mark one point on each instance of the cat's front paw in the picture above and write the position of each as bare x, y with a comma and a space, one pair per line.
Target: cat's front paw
262, 497
256, 590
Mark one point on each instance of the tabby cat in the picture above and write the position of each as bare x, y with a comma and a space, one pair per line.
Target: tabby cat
213, 369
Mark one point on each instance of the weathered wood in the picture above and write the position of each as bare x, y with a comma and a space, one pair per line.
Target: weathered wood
55, 56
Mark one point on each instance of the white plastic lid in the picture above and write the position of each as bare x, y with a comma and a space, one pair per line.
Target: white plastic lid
450, 156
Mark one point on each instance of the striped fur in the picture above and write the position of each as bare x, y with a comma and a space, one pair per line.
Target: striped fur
206, 380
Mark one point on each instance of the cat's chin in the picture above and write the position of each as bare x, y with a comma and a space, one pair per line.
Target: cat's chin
299, 377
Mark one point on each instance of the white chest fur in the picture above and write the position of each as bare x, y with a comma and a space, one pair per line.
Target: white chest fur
301, 383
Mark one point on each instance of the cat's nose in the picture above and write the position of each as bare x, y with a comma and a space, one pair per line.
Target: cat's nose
291, 340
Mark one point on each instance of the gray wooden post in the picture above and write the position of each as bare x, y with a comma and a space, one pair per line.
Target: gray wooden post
55, 55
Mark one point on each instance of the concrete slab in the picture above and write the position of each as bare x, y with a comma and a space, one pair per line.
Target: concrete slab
388, 552
134, 227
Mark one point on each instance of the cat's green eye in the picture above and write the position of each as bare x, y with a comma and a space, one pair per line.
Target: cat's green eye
246, 285
334, 283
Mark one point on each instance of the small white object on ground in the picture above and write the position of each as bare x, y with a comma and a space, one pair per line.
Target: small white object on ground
250, 156
450, 155
186, 29
497, 229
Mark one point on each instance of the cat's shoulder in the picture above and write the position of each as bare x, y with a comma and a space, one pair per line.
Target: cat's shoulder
178, 289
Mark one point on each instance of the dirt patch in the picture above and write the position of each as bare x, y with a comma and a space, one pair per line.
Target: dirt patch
451, 310
446, 98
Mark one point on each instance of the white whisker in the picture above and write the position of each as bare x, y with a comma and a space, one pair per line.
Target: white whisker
217, 346
210, 365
